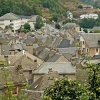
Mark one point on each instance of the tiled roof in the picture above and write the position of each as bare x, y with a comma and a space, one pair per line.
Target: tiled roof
44, 81
64, 44
54, 58
61, 68
25, 59
13, 76
70, 50
44, 54
9, 16
91, 39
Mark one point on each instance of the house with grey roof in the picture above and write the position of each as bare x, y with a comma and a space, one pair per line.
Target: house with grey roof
71, 26
57, 58
70, 50
44, 55
32, 21
10, 19
15, 78
65, 43
28, 62
63, 69
90, 43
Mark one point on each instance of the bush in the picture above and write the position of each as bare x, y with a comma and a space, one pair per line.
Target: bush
57, 26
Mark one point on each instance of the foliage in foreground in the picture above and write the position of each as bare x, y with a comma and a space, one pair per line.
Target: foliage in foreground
65, 89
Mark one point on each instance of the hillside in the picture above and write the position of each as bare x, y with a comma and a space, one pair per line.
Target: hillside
47, 8
95, 3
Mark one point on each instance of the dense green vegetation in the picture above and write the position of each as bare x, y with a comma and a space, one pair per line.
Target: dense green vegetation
89, 23
30, 7
95, 3
65, 89
39, 22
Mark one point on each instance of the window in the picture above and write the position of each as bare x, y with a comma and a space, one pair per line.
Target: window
96, 50
30, 81
30, 71
87, 50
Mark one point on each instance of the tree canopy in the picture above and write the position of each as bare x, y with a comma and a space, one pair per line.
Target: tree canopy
39, 22
65, 89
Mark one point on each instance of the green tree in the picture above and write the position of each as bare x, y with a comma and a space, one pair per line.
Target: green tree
27, 26
80, 6
57, 26
87, 23
65, 89
55, 18
39, 22
9, 86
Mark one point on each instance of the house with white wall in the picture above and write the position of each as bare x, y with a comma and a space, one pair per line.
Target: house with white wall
94, 16
17, 21
10, 19
90, 43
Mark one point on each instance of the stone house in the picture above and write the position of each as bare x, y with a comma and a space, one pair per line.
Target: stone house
15, 77
28, 62
90, 43
63, 69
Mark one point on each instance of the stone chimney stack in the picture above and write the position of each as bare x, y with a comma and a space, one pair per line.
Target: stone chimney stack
50, 70
73, 62
35, 64
19, 69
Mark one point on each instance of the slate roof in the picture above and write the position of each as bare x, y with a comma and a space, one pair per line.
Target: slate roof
91, 39
54, 58
44, 54
19, 46
60, 67
69, 25
13, 76
56, 42
68, 56
6, 49
9, 16
35, 45
44, 81
70, 50
4, 41
48, 41
26, 60
42, 38
33, 18
30, 40
38, 50
65, 43
27, 63
95, 28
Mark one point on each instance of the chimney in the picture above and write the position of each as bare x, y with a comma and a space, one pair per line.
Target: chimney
73, 62
50, 70
19, 69
35, 64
